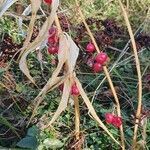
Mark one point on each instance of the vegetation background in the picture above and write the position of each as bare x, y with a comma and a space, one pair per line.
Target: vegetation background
17, 92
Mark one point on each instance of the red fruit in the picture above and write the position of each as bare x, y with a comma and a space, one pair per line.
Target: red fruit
53, 36
90, 48
97, 67
53, 50
48, 1
117, 121
109, 118
101, 58
74, 90
51, 40
52, 31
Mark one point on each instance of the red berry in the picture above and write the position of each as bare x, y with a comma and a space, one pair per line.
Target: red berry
101, 58
90, 48
109, 118
48, 1
52, 31
53, 36
53, 50
117, 121
51, 40
74, 90
97, 67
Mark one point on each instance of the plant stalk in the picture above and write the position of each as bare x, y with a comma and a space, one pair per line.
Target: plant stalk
76, 100
138, 113
77, 117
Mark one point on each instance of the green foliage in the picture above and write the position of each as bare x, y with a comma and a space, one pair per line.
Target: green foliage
8, 124
51, 144
30, 141
9, 26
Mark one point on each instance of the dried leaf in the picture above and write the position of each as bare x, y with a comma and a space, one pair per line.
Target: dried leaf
65, 45
92, 110
38, 41
63, 103
73, 54
24, 68
54, 79
35, 5
37, 101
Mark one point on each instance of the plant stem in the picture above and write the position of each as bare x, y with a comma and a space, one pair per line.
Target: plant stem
106, 73
138, 113
58, 24
77, 117
76, 100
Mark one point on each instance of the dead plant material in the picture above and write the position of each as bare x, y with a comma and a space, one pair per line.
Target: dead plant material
76, 144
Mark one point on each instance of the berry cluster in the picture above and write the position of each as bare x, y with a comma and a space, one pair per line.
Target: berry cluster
53, 39
114, 120
99, 60
74, 90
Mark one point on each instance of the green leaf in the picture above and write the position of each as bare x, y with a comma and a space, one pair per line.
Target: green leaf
19, 88
2, 71
8, 124
52, 143
33, 131
28, 142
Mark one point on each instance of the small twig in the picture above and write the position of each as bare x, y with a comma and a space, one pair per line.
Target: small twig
118, 50
58, 24
15, 15
138, 114
106, 73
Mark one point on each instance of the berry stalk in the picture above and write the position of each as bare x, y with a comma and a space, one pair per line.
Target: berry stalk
137, 61
77, 117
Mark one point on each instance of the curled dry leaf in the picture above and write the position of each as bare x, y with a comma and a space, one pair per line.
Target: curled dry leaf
68, 53
73, 54
35, 5
62, 56
63, 103
38, 41
38, 100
